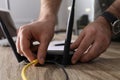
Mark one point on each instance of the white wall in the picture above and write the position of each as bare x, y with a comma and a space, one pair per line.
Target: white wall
81, 5
80, 9
62, 15
24, 11
3, 4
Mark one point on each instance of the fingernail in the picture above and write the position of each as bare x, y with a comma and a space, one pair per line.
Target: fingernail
41, 60
73, 61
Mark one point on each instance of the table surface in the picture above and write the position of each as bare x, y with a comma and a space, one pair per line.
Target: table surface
107, 66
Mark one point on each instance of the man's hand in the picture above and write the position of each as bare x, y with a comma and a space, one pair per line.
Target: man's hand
41, 31
92, 41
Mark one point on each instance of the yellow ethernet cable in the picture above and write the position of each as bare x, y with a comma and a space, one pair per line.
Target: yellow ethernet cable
23, 73
26, 67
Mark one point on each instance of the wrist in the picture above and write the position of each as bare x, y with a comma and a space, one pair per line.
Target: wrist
49, 18
113, 21
104, 22
115, 9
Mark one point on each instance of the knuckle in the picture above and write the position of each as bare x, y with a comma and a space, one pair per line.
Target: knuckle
22, 30
82, 48
75, 44
77, 54
19, 51
93, 30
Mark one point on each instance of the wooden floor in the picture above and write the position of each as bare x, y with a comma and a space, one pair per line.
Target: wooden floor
106, 67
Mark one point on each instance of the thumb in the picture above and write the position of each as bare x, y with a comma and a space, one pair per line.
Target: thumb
41, 54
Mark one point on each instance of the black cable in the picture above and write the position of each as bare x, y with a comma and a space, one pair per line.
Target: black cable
60, 66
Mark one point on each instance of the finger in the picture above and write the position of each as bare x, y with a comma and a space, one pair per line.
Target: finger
83, 46
42, 49
77, 42
18, 45
93, 52
18, 30
25, 48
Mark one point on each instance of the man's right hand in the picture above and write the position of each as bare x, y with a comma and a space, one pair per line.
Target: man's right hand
41, 31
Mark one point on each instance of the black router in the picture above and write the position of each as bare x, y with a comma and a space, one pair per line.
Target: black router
60, 56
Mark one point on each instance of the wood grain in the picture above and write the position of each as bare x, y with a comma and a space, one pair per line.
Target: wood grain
106, 67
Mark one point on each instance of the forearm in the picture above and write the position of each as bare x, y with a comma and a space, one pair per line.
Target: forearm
115, 8
49, 9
